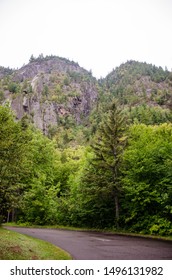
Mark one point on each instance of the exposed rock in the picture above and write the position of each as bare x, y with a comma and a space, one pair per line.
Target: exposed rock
54, 91
50, 88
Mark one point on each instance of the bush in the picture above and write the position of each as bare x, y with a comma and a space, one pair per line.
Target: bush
162, 227
13, 87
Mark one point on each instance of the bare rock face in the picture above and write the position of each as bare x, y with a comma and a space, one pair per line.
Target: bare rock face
46, 66
50, 89
17, 106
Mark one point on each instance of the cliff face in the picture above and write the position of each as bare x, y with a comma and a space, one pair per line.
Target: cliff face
50, 90
54, 92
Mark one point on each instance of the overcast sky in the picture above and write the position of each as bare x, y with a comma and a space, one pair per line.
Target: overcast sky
98, 34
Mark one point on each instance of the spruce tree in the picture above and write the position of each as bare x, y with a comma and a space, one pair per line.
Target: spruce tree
108, 148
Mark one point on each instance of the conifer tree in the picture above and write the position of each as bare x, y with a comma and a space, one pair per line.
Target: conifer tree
108, 148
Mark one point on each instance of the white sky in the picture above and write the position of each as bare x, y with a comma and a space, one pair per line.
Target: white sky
98, 34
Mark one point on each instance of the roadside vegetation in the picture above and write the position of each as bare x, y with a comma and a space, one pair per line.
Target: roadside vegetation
15, 246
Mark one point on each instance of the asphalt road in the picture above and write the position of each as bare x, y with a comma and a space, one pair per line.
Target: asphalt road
102, 246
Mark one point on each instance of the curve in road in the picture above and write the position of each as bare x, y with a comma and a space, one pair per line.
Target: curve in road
102, 246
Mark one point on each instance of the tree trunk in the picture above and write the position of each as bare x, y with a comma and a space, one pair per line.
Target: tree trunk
8, 216
13, 215
117, 210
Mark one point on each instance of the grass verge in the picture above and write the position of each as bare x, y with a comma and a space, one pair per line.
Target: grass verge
16, 246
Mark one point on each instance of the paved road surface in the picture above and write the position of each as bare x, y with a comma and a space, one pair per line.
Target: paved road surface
102, 246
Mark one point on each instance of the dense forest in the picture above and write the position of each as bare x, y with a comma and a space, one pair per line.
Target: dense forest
110, 168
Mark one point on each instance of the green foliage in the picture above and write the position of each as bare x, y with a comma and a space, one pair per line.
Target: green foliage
147, 178
122, 178
38, 200
13, 87
2, 96
95, 207
45, 91
32, 59
27, 87
149, 115
132, 82
106, 185
75, 76
13, 150
100, 185
66, 81
58, 89
160, 226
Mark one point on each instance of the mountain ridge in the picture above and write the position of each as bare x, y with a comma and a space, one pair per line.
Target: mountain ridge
55, 92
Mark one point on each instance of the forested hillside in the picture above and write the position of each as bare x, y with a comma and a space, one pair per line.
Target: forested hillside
81, 152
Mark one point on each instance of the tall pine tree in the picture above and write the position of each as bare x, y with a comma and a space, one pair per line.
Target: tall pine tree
108, 146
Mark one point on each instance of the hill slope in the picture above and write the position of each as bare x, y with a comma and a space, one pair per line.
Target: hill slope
135, 83
56, 94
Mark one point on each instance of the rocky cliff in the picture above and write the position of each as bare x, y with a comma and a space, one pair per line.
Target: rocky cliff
56, 94
50, 90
